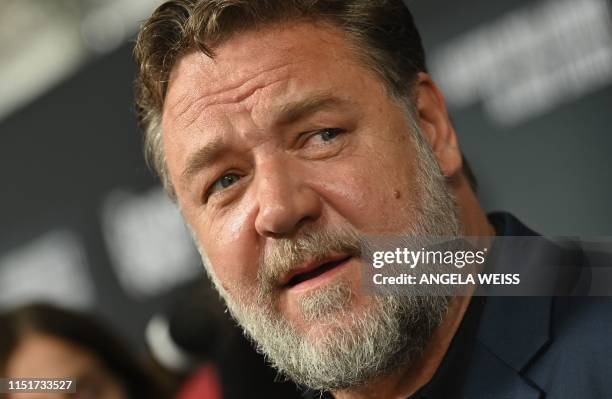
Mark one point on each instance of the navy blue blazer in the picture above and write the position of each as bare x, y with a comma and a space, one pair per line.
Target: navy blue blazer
547, 347
553, 347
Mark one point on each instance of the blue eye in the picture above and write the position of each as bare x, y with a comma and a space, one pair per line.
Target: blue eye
224, 182
329, 134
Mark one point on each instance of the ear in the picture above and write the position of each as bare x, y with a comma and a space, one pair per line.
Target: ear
436, 125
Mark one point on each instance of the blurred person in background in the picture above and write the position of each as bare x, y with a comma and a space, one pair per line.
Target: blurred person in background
44, 341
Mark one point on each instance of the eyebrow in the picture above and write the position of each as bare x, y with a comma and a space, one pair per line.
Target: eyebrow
289, 113
292, 112
203, 158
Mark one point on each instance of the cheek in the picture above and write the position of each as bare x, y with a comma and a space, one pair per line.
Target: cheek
350, 192
374, 193
230, 247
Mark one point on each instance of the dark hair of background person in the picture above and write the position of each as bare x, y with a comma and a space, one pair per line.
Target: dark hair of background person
383, 31
82, 331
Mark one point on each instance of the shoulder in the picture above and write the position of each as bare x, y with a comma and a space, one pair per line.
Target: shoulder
583, 324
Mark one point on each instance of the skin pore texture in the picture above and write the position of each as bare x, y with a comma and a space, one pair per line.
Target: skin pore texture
283, 150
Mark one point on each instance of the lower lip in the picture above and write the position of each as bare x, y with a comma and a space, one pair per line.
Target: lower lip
321, 278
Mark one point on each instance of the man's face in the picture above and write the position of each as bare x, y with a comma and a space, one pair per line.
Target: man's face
282, 150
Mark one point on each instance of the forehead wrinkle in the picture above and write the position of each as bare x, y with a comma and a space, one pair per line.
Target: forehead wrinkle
237, 104
242, 95
232, 93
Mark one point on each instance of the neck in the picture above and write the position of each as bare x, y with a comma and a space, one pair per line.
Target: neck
406, 381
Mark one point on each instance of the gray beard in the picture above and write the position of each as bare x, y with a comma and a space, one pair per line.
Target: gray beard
355, 347
343, 348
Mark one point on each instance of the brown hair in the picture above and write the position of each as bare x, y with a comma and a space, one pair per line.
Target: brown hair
83, 331
383, 31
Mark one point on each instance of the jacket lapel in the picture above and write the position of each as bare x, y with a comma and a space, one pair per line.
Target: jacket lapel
513, 331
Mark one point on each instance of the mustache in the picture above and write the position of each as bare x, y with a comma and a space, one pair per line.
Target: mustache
285, 254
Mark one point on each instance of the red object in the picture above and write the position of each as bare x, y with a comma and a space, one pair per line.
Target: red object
204, 383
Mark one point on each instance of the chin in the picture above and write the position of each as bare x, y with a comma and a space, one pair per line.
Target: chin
332, 322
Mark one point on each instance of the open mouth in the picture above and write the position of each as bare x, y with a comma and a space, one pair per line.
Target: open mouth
316, 272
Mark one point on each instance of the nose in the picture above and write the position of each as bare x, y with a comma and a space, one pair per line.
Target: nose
286, 201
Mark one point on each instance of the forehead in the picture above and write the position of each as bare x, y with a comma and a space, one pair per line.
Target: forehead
38, 353
290, 58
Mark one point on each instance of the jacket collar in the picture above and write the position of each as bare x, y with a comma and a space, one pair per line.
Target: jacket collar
516, 328
512, 332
